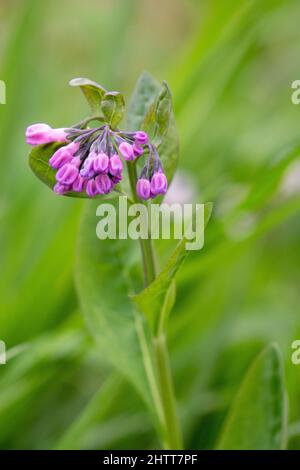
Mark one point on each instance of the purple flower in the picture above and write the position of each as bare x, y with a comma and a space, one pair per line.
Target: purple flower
127, 151
91, 188
86, 161
141, 137
100, 163
116, 179
61, 188
67, 174
137, 150
88, 168
143, 188
79, 184
159, 184
63, 155
38, 134
103, 184
115, 165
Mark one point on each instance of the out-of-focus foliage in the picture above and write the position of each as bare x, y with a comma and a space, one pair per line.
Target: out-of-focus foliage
230, 66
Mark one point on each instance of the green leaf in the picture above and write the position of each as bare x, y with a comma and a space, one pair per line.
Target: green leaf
257, 419
144, 94
158, 116
157, 299
150, 109
113, 107
93, 92
39, 162
169, 150
104, 281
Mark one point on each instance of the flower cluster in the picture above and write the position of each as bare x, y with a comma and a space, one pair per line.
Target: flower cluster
90, 159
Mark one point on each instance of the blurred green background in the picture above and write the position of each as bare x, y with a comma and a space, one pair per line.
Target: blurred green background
230, 65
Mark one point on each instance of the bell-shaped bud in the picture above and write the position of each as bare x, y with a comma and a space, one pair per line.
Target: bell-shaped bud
103, 184
63, 155
67, 174
159, 183
91, 188
88, 168
137, 150
38, 134
141, 137
127, 151
115, 165
100, 163
79, 184
143, 188
61, 188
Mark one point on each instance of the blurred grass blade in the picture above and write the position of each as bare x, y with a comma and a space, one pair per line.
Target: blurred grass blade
257, 419
93, 413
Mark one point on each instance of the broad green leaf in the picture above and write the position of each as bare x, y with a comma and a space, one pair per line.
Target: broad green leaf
257, 420
39, 163
93, 92
150, 109
157, 295
169, 150
104, 282
157, 118
144, 94
113, 107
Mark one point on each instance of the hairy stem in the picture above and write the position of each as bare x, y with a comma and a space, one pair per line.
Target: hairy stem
166, 402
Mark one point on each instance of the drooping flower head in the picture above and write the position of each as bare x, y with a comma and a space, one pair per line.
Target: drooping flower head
90, 159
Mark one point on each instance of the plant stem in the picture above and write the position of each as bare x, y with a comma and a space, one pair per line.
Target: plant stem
172, 431
170, 424
146, 244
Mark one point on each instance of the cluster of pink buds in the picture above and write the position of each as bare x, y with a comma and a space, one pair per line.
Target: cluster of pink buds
90, 159
152, 181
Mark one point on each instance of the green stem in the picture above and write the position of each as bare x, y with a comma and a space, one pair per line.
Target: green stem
173, 438
146, 244
166, 400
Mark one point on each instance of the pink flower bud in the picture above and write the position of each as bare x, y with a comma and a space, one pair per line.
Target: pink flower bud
79, 184
141, 137
159, 184
137, 150
91, 188
88, 168
61, 188
115, 165
38, 134
63, 155
67, 174
126, 150
100, 163
143, 188
103, 184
